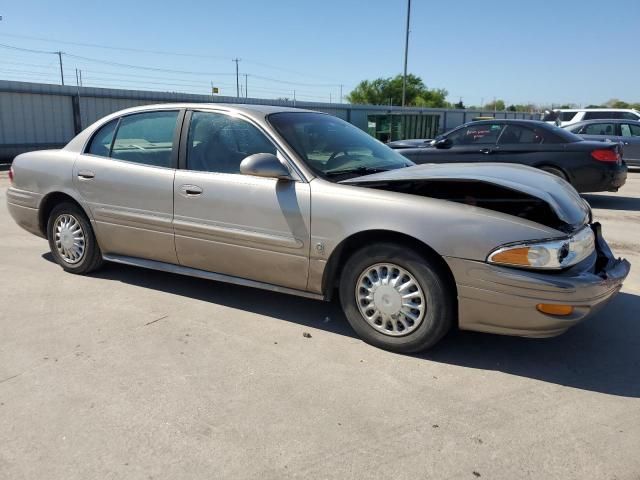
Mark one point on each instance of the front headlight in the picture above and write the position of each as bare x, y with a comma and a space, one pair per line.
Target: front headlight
546, 254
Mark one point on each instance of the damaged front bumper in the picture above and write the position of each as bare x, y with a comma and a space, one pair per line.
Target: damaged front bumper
504, 300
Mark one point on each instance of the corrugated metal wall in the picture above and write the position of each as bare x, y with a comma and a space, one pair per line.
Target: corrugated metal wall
27, 118
35, 115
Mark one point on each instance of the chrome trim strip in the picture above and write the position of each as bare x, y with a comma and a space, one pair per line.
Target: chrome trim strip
102, 214
183, 227
218, 277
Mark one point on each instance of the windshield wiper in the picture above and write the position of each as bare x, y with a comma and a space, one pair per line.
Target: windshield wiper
358, 170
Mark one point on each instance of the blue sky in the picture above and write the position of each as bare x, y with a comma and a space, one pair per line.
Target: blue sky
543, 52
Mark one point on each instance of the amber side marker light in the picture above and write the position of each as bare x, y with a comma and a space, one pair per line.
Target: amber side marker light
555, 309
514, 256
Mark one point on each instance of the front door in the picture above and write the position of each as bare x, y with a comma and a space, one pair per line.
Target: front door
471, 143
630, 137
126, 178
234, 224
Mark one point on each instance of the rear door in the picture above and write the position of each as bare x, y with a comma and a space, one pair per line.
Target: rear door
126, 177
527, 145
630, 137
471, 143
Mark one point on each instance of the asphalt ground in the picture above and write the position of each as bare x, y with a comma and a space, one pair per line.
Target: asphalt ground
137, 374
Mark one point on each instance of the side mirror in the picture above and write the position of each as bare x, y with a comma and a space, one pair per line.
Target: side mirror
264, 165
443, 143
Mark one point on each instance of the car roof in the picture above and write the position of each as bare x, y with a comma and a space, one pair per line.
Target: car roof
514, 121
604, 120
252, 110
595, 110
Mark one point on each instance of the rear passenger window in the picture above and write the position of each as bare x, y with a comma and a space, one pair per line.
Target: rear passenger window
629, 116
101, 142
519, 134
146, 138
599, 129
599, 115
629, 130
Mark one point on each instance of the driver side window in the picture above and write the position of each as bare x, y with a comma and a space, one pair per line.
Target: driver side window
482, 134
218, 142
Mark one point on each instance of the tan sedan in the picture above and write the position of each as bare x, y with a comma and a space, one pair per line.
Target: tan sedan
304, 203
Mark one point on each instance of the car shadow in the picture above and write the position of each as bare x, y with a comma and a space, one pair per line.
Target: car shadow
600, 355
613, 202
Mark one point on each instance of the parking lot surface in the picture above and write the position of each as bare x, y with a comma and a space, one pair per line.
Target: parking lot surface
137, 374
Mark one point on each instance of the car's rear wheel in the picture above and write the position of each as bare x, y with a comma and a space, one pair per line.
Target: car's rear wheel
71, 239
555, 171
396, 299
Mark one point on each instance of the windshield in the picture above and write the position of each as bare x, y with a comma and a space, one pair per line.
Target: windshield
333, 148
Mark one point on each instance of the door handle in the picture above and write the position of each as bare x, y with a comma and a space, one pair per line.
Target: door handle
86, 174
485, 150
190, 190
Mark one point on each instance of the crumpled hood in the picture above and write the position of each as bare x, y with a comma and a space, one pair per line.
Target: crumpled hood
557, 193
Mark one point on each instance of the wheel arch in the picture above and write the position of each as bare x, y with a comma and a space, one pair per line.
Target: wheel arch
354, 242
548, 164
49, 201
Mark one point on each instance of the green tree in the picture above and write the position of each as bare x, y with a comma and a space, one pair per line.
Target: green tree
498, 106
615, 103
385, 91
459, 105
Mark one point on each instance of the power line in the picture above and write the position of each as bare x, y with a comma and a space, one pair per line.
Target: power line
158, 52
59, 54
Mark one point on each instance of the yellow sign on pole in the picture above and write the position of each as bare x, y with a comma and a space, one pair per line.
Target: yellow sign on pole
215, 90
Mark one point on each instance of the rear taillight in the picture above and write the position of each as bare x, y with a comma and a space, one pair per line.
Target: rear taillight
11, 174
606, 155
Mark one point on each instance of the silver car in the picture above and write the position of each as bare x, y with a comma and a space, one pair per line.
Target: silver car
304, 203
626, 132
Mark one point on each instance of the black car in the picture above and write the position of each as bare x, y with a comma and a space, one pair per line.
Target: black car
590, 166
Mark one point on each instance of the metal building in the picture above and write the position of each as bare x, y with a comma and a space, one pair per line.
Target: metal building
36, 116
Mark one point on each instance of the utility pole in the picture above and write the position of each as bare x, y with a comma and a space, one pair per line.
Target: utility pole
246, 75
341, 94
237, 78
329, 97
494, 106
294, 98
81, 77
406, 54
61, 72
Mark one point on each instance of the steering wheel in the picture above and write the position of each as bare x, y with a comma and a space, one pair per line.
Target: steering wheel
334, 162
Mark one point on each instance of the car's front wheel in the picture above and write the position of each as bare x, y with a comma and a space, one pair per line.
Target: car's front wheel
71, 239
396, 299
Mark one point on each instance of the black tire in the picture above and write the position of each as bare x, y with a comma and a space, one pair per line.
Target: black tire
91, 259
438, 291
555, 171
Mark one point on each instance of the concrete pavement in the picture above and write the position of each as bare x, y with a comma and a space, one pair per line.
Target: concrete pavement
137, 374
